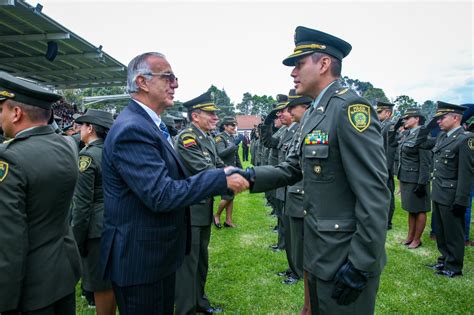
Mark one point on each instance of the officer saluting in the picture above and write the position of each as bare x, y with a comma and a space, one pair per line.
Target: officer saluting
39, 260
340, 157
452, 181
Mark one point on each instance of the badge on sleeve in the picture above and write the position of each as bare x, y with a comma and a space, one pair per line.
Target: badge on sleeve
3, 170
84, 163
218, 139
470, 144
359, 116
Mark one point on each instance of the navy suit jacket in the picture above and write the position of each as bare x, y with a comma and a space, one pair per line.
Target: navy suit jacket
147, 194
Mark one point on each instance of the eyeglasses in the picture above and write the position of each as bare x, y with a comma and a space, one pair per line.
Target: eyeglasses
167, 75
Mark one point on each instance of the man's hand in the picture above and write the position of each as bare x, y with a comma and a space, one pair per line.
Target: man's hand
235, 181
348, 284
420, 190
270, 118
459, 210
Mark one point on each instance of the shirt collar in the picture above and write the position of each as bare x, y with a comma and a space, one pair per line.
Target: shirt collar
154, 116
320, 96
412, 130
449, 133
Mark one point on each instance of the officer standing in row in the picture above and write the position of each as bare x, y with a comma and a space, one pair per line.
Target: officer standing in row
414, 175
228, 151
88, 210
384, 113
197, 149
452, 181
39, 260
340, 158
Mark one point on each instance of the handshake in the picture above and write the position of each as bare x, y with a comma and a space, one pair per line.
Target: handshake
238, 179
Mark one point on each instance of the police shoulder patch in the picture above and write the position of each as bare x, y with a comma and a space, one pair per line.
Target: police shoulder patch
359, 116
84, 163
218, 139
3, 170
470, 144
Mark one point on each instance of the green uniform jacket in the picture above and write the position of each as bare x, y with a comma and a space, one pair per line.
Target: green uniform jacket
283, 146
227, 150
294, 193
198, 153
414, 161
389, 145
273, 155
39, 260
453, 168
88, 211
346, 198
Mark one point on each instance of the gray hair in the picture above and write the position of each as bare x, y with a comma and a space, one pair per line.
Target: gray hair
139, 65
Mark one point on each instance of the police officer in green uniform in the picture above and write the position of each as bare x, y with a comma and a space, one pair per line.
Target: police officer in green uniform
452, 181
88, 210
273, 141
228, 151
297, 106
414, 174
198, 151
340, 158
39, 260
384, 113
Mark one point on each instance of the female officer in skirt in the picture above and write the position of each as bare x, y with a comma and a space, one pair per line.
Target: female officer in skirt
88, 210
414, 174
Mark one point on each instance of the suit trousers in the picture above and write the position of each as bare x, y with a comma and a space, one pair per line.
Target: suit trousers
296, 231
391, 187
449, 237
322, 303
146, 299
192, 275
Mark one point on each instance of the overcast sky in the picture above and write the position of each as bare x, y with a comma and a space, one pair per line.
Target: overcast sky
418, 48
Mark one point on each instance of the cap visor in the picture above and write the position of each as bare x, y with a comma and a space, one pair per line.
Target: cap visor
291, 60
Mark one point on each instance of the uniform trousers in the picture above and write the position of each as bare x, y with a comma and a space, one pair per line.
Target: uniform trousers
64, 306
191, 276
145, 299
296, 231
322, 303
449, 237
391, 187
279, 206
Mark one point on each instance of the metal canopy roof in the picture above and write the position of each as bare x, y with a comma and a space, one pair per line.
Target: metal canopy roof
24, 36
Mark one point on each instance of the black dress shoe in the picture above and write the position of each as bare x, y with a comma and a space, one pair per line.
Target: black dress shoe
227, 225
210, 310
449, 273
437, 266
217, 225
285, 273
274, 248
291, 280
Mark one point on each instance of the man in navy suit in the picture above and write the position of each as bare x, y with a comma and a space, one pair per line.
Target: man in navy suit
147, 194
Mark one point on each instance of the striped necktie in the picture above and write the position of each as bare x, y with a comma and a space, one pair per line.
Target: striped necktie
165, 132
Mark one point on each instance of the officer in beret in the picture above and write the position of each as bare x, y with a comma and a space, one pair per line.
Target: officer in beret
414, 175
88, 210
39, 260
228, 151
452, 181
340, 157
384, 113
197, 149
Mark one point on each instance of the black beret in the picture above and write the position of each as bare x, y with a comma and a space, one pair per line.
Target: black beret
309, 41
26, 92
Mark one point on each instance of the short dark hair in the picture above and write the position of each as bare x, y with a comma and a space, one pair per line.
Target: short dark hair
336, 64
35, 114
101, 132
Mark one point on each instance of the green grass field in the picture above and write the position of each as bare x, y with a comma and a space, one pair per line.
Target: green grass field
242, 272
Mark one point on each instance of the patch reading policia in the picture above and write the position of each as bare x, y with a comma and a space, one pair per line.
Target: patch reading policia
84, 163
3, 170
359, 116
309, 41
